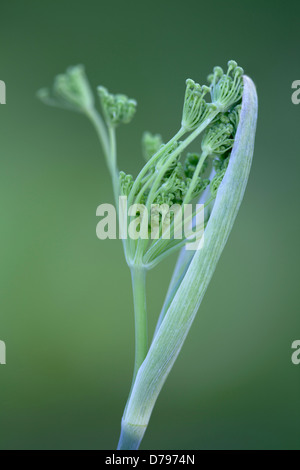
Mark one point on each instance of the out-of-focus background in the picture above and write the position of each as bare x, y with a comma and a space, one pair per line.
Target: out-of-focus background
65, 305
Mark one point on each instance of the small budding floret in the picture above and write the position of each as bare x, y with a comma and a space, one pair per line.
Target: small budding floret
70, 90
195, 109
151, 143
126, 183
172, 185
226, 89
116, 108
171, 191
218, 138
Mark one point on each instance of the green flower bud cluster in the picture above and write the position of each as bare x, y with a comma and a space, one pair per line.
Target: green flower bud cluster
181, 183
116, 108
126, 183
70, 90
150, 144
232, 116
221, 162
226, 89
174, 185
166, 177
217, 139
191, 162
195, 108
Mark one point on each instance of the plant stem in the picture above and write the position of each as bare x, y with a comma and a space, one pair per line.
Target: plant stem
138, 275
113, 163
131, 436
99, 125
109, 145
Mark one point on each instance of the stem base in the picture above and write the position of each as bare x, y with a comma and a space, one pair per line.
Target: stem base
131, 436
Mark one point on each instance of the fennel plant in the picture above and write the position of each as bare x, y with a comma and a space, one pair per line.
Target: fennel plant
224, 113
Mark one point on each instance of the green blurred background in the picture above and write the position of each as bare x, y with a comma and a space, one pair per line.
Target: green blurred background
66, 308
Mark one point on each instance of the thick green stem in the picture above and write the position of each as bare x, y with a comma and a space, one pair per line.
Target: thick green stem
131, 436
138, 275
